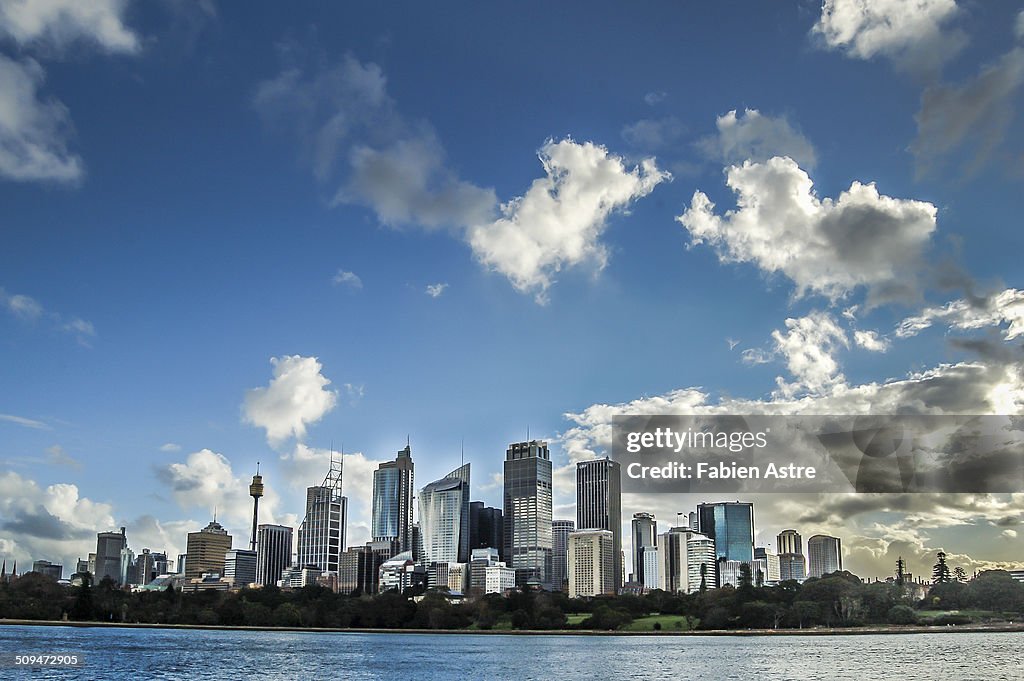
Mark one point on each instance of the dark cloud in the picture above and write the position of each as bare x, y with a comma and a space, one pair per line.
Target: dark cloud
41, 524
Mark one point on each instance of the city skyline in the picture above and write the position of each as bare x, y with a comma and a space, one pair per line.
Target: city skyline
238, 235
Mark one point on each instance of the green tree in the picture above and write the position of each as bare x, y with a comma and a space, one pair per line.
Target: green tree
940, 571
901, 614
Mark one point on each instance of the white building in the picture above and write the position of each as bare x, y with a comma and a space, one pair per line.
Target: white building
592, 563
498, 579
767, 567
686, 560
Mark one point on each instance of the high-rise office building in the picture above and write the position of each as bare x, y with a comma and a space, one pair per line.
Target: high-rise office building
791, 556
45, 567
599, 503
644, 536
767, 567
527, 516
560, 530
160, 565
731, 525
127, 566
392, 500
322, 532
273, 552
359, 566
143, 568
592, 563
444, 518
686, 561
206, 549
108, 555
485, 527
240, 567
824, 555
180, 563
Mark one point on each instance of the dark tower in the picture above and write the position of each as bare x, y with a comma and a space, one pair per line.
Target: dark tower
255, 491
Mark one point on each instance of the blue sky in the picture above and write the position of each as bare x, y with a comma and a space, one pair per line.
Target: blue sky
189, 190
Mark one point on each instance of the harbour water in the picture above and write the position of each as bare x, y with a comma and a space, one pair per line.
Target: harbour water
125, 653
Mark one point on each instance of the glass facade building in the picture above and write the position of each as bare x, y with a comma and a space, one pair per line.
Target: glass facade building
527, 516
393, 500
444, 518
824, 555
731, 526
560, 530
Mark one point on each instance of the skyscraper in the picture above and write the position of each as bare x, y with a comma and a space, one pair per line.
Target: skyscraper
599, 503
322, 532
206, 550
240, 567
560, 530
108, 555
686, 561
444, 518
392, 500
592, 563
645, 543
731, 525
45, 567
824, 555
791, 556
527, 516
273, 552
485, 527
767, 567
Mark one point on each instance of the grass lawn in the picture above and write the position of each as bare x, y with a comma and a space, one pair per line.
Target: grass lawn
976, 615
668, 623
576, 618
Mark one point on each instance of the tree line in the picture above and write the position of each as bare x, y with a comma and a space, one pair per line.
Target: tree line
839, 599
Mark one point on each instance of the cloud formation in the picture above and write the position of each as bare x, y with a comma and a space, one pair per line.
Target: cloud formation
808, 344
1003, 308
756, 137
435, 290
345, 278
34, 132
57, 24
54, 522
352, 135
355, 139
559, 221
916, 36
972, 117
296, 397
31, 310
825, 246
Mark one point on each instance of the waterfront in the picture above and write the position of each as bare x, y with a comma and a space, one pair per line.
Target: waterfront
116, 653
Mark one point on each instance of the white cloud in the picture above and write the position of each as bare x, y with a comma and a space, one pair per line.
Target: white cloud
435, 290
33, 132
559, 221
206, 481
1005, 307
972, 117
26, 422
1009, 534
350, 279
808, 346
755, 137
825, 246
871, 341
296, 397
915, 35
170, 447
54, 523
732, 343
31, 310
754, 356
654, 134
59, 23
652, 98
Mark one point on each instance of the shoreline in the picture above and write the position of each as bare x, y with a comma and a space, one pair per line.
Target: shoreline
1006, 627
